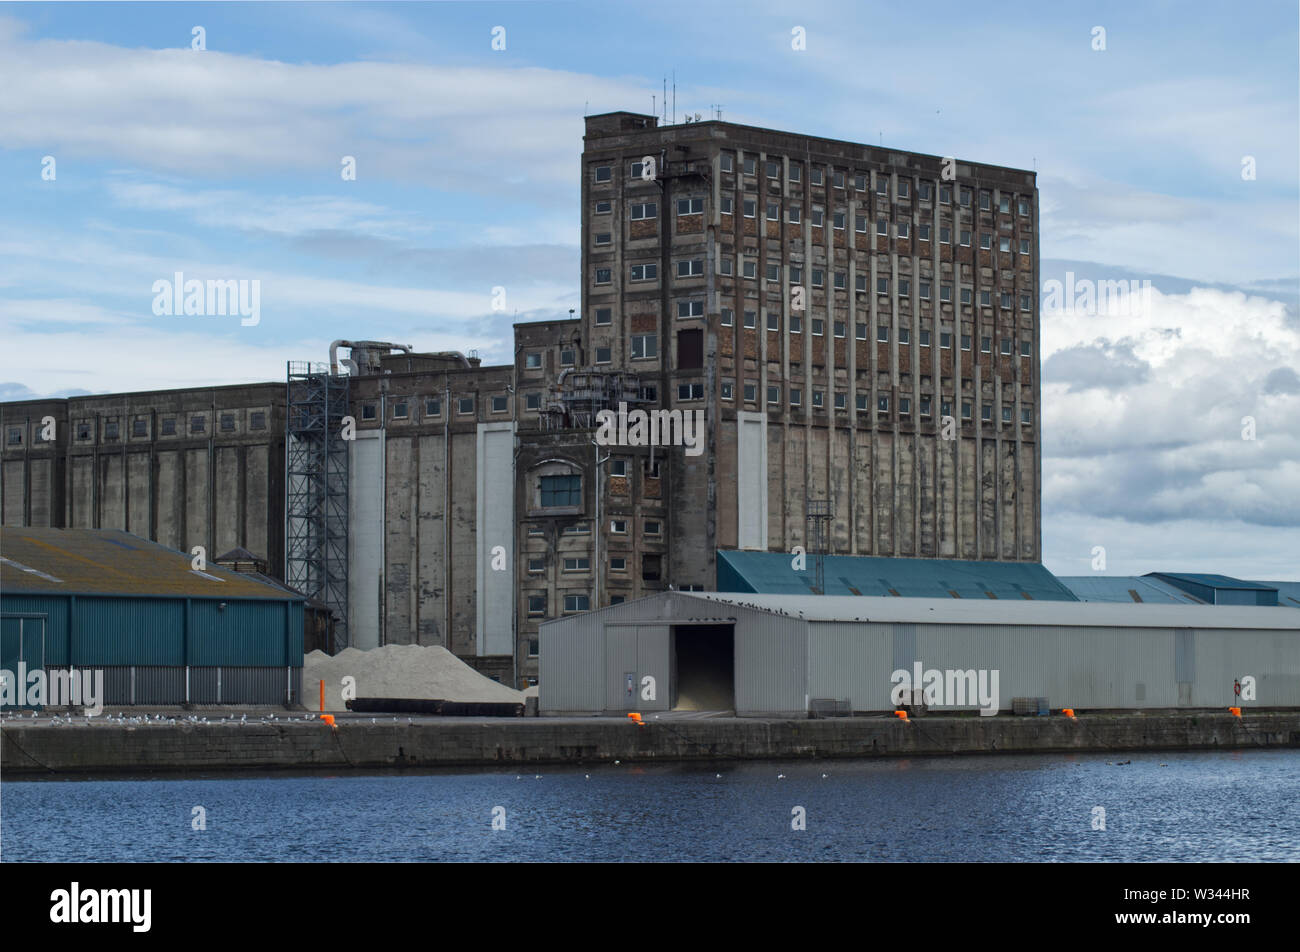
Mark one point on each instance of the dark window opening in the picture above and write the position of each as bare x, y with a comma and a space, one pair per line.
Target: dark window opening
690, 349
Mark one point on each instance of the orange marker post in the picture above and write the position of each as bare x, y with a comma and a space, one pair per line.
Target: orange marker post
1235, 711
901, 715
1068, 712
328, 719
634, 717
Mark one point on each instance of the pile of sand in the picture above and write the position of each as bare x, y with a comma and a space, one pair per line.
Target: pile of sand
398, 671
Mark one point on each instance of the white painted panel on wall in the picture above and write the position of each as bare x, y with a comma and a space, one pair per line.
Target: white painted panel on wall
495, 527
751, 480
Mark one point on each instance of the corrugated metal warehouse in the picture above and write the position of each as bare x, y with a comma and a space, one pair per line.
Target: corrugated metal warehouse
161, 631
789, 655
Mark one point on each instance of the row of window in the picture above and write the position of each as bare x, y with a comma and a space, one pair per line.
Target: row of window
817, 218
840, 179
401, 409
818, 326
882, 403
576, 602
568, 356
581, 601
85, 430
582, 564
772, 273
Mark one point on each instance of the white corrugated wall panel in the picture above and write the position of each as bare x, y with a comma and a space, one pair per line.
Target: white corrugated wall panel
1085, 668
771, 664
571, 665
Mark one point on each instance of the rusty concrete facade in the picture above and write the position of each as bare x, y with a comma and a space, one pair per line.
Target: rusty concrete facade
918, 279
433, 559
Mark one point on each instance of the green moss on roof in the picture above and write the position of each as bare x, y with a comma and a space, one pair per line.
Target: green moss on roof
113, 562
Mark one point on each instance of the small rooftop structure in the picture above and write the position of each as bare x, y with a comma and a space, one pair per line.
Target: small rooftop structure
1288, 593
1220, 589
1127, 588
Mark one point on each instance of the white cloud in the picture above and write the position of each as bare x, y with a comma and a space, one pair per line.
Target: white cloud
277, 214
219, 113
1163, 439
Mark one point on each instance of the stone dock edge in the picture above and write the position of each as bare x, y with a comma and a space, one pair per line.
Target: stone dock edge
42, 748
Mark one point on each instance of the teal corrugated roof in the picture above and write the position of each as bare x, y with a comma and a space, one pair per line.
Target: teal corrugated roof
1123, 588
774, 573
1213, 581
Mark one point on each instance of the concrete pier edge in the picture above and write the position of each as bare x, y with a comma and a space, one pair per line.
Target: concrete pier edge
30, 750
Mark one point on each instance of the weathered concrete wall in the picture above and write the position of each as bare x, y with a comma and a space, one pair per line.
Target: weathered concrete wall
132, 461
42, 749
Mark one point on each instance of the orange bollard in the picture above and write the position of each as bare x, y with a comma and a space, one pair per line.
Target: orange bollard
1235, 711
901, 715
322, 695
328, 719
635, 717
1068, 712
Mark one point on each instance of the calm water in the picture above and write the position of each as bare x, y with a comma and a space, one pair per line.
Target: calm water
1183, 807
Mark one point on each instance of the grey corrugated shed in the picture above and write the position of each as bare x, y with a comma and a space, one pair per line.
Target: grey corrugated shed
793, 650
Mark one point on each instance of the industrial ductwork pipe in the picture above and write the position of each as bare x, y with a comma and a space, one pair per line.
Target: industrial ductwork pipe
362, 345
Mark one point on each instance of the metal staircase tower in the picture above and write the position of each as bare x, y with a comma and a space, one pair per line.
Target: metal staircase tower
316, 489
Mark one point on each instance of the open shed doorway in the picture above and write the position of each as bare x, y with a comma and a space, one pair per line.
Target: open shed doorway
704, 668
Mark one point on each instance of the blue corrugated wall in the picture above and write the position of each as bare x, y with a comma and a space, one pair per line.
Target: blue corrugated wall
105, 631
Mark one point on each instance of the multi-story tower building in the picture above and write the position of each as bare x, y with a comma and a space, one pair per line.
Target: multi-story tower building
858, 326
829, 304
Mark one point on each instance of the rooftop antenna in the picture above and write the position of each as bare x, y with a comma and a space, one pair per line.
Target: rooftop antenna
674, 97
654, 108
665, 99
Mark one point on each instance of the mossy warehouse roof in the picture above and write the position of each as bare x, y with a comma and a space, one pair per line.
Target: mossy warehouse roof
37, 561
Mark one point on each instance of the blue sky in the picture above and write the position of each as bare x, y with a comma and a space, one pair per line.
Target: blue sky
224, 163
